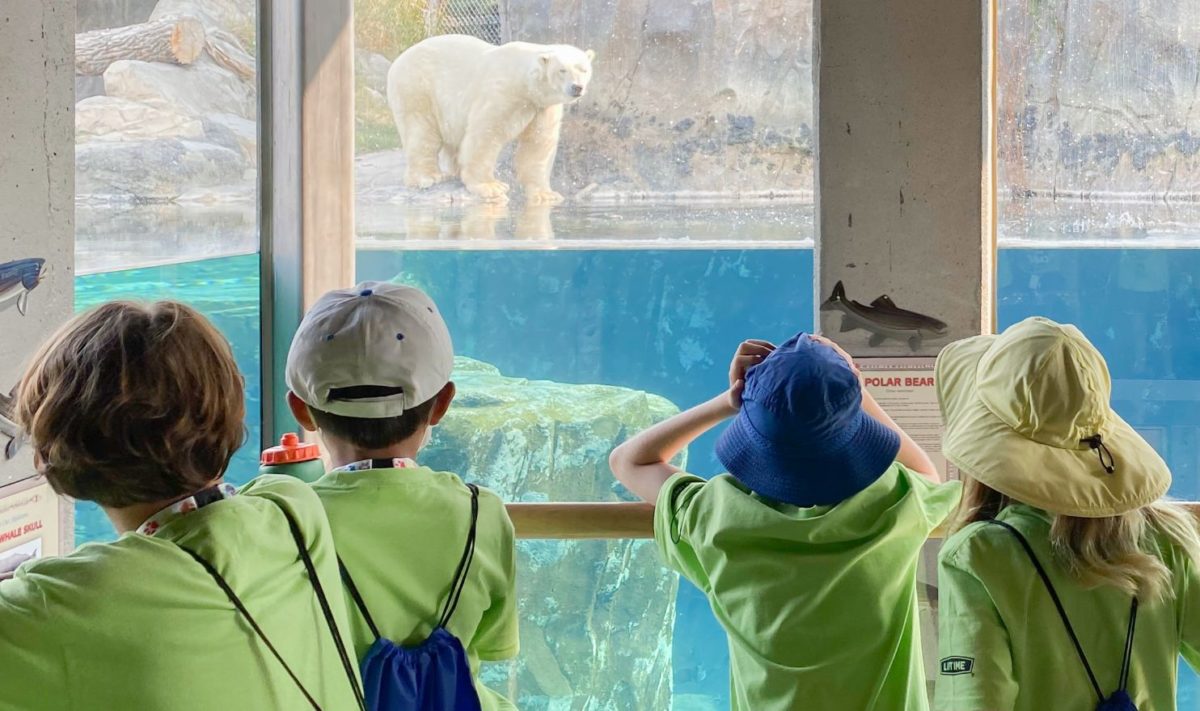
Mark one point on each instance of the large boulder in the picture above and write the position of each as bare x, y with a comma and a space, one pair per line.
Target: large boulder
687, 96
233, 132
153, 170
199, 89
597, 617
114, 118
372, 69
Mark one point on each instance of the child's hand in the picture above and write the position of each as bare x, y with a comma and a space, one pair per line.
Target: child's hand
838, 349
749, 354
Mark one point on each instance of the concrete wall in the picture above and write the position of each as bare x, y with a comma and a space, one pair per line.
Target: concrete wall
36, 188
900, 163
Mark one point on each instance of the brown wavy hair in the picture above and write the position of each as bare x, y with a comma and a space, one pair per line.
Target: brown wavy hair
133, 403
1117, 551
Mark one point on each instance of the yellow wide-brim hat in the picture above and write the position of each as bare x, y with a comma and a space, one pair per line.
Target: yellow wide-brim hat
1028, 413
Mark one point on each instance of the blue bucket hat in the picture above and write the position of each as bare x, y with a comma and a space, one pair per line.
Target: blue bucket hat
801, 436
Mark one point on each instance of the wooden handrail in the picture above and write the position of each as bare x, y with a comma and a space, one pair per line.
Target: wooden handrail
575, 520
583, 520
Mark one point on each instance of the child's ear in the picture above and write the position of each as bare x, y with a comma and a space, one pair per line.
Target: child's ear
300, 412
442, 404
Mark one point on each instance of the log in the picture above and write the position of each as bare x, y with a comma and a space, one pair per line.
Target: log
177, 40
225, 50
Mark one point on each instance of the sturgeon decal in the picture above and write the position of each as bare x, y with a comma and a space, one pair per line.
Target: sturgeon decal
17, 279
883, 319
8, 428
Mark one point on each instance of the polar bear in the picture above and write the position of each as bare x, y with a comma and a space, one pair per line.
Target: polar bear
461, 99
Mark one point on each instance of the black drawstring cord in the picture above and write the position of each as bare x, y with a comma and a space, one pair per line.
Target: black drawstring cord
1096, 442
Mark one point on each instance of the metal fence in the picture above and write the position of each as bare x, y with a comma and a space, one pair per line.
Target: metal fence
478, 18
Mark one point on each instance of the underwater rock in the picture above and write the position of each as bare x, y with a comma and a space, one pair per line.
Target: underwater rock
597, 617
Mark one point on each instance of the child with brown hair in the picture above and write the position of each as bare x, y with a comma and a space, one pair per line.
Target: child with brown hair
212, 598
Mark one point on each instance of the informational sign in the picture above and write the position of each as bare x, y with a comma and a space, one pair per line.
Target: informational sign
904, 388
34, 522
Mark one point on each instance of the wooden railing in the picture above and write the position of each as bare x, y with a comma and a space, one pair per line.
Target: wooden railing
610, 520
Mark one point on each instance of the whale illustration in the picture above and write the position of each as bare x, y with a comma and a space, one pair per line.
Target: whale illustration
17, 279
883, 319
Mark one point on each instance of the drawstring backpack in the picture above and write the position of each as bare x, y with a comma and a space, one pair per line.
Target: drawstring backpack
433, 675
1119, 700
326, 611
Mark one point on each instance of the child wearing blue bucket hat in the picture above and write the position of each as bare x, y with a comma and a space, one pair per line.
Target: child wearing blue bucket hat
807, 549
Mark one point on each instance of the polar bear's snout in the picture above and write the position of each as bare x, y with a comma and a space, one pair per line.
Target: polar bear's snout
575, 90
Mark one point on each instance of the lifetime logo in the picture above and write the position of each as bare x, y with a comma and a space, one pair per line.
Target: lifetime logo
952, 666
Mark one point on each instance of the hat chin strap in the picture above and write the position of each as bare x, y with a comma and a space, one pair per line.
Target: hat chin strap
1096, 443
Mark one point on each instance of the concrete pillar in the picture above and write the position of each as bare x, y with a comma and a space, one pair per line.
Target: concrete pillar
903, 171
37, 193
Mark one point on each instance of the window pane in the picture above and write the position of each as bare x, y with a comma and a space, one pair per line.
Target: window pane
687, 175
1099, 171
165, 175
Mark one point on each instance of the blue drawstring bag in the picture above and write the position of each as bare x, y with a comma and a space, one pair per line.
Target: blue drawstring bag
1119, 700
433, 675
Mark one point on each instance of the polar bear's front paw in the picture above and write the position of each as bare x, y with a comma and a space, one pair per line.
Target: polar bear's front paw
422, 181
489, 190
542, 196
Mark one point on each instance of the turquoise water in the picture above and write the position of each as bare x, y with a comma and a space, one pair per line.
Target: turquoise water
664, 321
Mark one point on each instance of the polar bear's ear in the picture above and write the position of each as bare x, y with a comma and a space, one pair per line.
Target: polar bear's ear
545, 58
590, 55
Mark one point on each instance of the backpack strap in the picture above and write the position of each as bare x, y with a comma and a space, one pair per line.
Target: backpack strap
241, 608
358, 600
1062, 612
347, 665
464, 564
1133, 610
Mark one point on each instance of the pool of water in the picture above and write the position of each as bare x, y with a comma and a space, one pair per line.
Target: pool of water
664, 320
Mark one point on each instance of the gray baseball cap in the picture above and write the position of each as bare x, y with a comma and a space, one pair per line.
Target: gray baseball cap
372, 351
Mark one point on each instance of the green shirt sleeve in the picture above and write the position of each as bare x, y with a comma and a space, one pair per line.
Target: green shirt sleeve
30, 658
677, 518
975, 671
1189, 613
938, 501
498, 636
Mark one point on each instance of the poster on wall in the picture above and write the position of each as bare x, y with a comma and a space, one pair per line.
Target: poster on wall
33, 523
904, 388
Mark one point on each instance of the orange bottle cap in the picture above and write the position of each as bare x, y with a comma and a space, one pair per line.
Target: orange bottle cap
290, 451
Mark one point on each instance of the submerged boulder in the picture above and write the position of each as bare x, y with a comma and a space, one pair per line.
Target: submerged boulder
597, 617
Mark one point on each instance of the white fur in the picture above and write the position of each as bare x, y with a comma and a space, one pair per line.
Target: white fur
461, 100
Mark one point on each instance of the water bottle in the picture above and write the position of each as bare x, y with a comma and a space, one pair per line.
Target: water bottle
294, 458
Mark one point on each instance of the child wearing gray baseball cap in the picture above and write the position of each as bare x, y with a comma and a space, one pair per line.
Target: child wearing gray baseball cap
426, 559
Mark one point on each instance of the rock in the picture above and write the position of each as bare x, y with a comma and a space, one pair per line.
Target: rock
235, 16
670, 66
372, 69
87, 87
153, 170
117, 119
200, 89
234, 132
597, 617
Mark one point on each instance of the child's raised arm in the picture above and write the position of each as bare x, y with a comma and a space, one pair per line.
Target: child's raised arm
911, 455
643, 462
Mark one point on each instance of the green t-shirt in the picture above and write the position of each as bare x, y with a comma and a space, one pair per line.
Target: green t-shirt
401, 534
1004, 647
138, 624
819, 603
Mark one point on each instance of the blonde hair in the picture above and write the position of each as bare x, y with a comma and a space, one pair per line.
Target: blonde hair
1116, 551
133, 403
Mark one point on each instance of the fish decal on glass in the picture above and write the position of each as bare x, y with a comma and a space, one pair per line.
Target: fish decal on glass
8, 428
17, 279
883, 319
